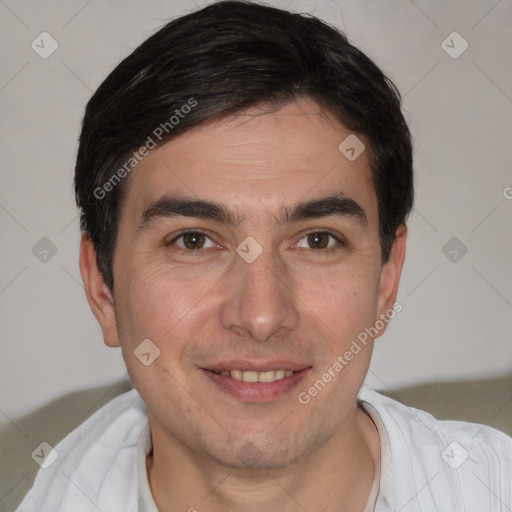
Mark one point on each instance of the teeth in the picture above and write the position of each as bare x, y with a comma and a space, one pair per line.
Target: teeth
236, 374
269, 376
252, 376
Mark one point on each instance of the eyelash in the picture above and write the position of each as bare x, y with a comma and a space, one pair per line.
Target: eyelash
341, 242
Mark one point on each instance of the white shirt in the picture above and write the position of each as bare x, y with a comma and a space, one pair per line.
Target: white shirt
427, 465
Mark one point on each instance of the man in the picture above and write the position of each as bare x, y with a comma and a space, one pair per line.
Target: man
244, 178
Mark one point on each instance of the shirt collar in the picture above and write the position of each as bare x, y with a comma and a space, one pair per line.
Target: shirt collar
145, 497
386, 497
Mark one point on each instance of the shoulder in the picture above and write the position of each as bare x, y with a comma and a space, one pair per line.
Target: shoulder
416, 424
94, 457
445, 461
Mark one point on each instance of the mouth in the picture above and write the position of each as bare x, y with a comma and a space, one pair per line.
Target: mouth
256, 382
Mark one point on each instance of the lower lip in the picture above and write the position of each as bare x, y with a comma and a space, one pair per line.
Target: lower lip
256, 391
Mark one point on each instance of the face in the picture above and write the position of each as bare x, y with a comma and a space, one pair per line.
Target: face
267, 288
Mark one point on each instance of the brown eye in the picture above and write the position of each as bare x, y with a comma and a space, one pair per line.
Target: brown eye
191, 240
316, 240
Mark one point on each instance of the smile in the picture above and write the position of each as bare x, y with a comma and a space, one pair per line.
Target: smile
256, 384
252, 376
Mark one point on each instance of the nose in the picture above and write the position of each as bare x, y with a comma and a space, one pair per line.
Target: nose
259, 299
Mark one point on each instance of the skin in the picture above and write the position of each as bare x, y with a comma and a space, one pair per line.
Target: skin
294, 302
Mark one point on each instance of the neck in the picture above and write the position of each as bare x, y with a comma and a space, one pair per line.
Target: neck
338, 476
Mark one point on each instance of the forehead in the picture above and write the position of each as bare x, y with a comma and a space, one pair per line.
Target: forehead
257, 162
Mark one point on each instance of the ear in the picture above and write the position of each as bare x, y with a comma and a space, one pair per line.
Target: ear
390, 279
98, 295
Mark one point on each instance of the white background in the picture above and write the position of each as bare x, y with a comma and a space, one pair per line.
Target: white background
457, 317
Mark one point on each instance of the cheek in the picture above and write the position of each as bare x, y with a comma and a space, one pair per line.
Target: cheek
159, 302
159, 307
344, 300
341, 308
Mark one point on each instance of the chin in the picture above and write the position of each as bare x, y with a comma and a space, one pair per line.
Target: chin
262, 453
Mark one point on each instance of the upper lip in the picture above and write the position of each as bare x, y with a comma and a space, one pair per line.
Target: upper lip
256, 366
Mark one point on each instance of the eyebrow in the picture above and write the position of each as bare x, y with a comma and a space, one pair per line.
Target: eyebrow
174, 206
